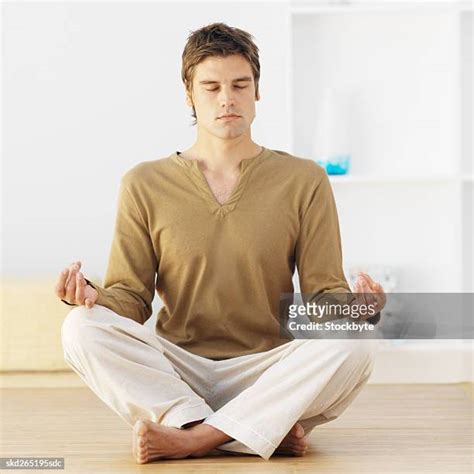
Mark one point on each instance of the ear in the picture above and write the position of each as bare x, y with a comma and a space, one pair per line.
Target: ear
189, 100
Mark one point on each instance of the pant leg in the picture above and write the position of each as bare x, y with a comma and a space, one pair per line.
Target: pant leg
308, 380
127, 365
312, 417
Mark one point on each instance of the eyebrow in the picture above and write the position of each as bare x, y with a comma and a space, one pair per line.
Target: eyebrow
239, 79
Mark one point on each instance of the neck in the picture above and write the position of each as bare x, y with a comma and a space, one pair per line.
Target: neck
222, 156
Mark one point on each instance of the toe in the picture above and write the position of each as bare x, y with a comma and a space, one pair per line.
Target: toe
299, 442
141, 456
140, 428
297, 447
299, 450
299, 431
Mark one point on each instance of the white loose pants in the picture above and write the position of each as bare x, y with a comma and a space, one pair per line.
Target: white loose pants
255, 399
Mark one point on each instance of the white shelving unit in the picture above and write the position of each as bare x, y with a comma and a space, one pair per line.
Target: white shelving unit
391, 84
368, 179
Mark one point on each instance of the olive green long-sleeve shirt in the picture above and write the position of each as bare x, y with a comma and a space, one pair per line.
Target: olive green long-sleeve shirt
220, 269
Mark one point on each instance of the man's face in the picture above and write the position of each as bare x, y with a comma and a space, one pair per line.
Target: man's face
223, 85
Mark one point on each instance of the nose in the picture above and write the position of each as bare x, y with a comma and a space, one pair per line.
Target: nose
226, 97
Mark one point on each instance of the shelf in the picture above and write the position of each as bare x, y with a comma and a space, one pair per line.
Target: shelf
351, 94
302, 7
409, 345
360, 179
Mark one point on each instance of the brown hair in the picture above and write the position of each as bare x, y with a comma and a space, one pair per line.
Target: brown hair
217, 39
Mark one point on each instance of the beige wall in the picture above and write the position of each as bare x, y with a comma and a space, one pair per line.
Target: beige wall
30, 324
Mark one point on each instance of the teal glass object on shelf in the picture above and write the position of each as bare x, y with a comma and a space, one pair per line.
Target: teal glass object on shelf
337, 164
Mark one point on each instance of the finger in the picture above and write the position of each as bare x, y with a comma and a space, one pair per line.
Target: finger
59, 288
369, 297
359, 298
359, 292
364, 286
88, 302
369, 280
72, 266
71, 284
360, 286
80, 285
379, 288
379, 291
362, 300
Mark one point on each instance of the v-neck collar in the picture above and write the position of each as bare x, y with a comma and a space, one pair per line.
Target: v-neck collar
246, 166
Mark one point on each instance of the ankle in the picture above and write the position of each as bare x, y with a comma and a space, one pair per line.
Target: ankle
203, 438
191, 424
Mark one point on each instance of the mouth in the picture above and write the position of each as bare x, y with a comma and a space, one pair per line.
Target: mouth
229, 117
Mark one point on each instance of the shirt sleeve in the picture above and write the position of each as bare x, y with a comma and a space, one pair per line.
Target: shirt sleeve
129, 284
319, 249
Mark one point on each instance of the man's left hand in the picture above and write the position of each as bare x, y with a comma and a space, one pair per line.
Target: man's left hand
369, 292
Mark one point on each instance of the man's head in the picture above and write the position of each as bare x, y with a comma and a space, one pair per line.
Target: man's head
221, 72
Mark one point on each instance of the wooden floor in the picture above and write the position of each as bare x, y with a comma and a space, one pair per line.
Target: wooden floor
389, 429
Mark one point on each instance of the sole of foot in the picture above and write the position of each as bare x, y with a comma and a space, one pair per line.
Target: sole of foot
152, 441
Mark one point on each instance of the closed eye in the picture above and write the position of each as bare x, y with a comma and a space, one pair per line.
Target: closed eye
238, 87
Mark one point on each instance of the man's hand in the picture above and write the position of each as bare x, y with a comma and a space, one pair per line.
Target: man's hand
369, 292
72, 287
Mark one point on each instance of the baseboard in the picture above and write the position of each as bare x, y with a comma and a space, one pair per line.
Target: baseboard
51, 379
429, 361
411, 362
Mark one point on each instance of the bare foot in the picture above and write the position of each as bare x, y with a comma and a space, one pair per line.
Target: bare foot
152, 441
294, 442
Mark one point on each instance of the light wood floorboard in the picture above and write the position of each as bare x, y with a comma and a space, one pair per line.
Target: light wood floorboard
426, 428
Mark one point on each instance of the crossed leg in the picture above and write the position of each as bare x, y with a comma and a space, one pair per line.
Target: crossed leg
340, 368
130, 369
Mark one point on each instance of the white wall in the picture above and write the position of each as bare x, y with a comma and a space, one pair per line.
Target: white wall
91, 89
467, 81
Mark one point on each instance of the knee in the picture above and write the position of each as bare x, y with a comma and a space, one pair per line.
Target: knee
355, 353
74, 327
360, 353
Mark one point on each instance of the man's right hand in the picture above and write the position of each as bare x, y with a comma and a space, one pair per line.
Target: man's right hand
73, 288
